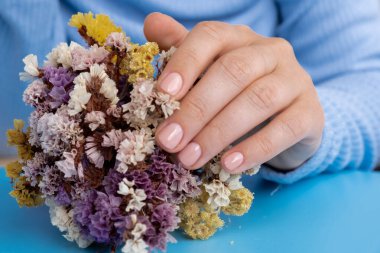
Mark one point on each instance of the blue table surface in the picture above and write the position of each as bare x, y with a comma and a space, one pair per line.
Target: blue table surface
328, 213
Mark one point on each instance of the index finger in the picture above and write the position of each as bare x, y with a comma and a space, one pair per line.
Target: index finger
205, 43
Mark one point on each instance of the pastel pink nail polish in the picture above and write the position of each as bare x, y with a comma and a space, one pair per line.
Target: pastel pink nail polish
233, 161
190, 154
172, 83
171, 135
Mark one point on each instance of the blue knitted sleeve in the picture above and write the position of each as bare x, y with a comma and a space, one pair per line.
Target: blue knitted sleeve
338, 43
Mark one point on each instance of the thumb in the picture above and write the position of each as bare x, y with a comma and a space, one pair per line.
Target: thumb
164, 30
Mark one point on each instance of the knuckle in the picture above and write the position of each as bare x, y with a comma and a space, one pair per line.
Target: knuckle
295, 127
306, 78
197, 108
282, 45
218, 133
236, 69
262, 96
191, 54
213, 29
244, 28
265, 146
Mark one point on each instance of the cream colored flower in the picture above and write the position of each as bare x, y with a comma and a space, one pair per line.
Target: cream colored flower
137, 196
134, 148
253, 171
218, 194
125, 187
138, 230
141, 102
31, 68
61, 55
231, 180
168, 105
135, 246
79, 96
108, 88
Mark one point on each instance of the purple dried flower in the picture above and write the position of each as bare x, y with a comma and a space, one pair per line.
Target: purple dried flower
106, 212
161, 192
34, 168
62, 198
111, 181
59, 77
165, 217
51, 179
58, 96
160, 168
183, 183
62, 80
141, 180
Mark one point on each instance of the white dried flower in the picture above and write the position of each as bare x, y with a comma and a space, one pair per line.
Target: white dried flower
253, 171
31, 68
164, 57
125, 187
79, 96
61, 55
231, 180
218, 194
109, 90
95, 119
137, 196
136, 202
138, 230
135, 246
141, 101
168, 105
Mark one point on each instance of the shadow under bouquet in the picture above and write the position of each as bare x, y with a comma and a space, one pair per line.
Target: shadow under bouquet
89, 152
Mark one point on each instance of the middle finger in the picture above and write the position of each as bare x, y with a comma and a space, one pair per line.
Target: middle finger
224, 80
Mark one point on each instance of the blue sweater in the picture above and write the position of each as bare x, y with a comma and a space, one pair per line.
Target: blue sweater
337, 42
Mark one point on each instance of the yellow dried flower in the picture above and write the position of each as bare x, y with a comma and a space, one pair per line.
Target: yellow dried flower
26, 195
98, 27
13, 169
240, 202
138, 62
197, 222
16, 137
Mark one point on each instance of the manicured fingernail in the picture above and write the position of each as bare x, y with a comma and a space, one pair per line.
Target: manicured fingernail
171, 135
233, 161
172, 83
190, 154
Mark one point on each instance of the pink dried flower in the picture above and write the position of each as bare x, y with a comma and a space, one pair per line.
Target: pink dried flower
93, 153
94, 119
83, 58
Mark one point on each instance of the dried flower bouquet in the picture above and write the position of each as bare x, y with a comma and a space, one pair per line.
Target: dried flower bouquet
89, 151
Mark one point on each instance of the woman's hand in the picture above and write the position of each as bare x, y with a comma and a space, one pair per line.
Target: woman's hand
250, 79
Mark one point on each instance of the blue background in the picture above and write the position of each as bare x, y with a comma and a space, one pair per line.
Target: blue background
328, 213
